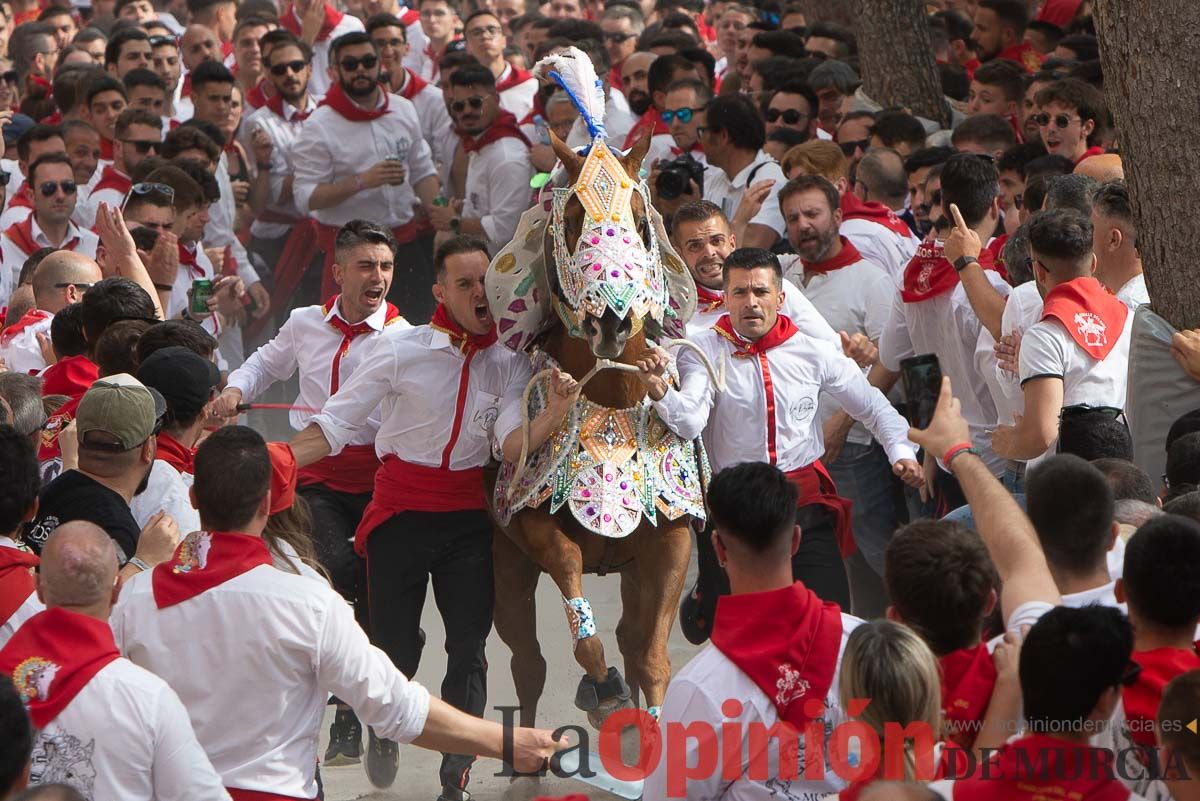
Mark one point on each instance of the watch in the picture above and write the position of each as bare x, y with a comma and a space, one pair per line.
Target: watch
455, 224
961, 262
139, 564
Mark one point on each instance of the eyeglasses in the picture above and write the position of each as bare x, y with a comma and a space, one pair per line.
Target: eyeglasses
144, 146
76, 284
458, 106
428, 13
297, 66
789, 116
848, 148
148, 188
1060, 120
484, 30
684, 115
48, 188
161, 41
351, 64
382, 43
619, 38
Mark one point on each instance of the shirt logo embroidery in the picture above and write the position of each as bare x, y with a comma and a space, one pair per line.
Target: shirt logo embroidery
1092, 329
802, 410
923, 278
789, 686
32, 678
193, 554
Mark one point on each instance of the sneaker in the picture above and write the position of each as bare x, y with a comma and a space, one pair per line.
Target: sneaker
382, 762
345, 740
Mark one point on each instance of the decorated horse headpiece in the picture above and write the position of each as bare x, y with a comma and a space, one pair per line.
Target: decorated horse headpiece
612, 267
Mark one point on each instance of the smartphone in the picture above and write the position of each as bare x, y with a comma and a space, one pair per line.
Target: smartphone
922, 379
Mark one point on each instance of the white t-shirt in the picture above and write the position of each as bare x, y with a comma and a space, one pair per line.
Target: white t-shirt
1133, 293
166, 491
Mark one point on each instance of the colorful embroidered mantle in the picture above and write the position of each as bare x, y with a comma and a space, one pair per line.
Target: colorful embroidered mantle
610, 467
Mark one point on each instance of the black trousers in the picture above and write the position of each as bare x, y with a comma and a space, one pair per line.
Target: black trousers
455, 550
335, 518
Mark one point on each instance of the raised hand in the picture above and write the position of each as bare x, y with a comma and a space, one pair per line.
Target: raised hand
962, 241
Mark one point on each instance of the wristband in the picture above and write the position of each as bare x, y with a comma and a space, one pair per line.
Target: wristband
957, 450
962, 262
139, 564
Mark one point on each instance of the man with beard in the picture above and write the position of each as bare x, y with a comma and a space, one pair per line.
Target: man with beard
635, 83
138, 135
498, 166
197, 45
248, 57
360, 124
1000, 31
487, 42
319, 24
663, 73
621, 25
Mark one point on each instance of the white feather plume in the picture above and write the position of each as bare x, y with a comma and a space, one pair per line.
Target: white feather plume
573, 71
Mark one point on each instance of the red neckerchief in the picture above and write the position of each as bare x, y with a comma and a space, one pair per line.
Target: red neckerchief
1039, 766
29, 318
257, 96
1092, 315
275, 103
53, 656
71, 376
971, 66
22, 198
413, 84
614, 76
846, 256
21, 235
349, 333
651, 119
112, 178
291, 21
16, 580
188, 257
996, 248
52, 119
176, 454
929, 275
783, 330
410, 17
515, 77
855, 209
1059, 12
206, 559
968, 677
505, 126
714, 298
1141, 700
1095, 150
1023, 55
336, 99
462, 339
106, 149
38, 82
786, 641
538, 110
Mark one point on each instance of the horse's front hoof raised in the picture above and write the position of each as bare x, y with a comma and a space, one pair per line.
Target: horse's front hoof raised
601, 698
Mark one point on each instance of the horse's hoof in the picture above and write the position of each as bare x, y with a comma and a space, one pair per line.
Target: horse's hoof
601, 698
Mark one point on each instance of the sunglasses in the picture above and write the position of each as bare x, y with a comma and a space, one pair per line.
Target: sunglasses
351, 64
160, 41
458, 106
848, 148
1060, 120
297, 66
144, 146
684, 115
790, 117
48, 188
148, 188
618, 38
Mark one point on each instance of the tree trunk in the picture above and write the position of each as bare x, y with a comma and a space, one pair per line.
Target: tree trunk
896, 56
1149, 70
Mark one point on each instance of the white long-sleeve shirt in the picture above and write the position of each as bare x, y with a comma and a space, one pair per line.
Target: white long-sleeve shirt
727, 191
12, 256
415, 378
220, 229
308, 342
126, 735
881, 245
497, 188
282, 131
331, 148
737, 423
435, 119
254, 660
517, 99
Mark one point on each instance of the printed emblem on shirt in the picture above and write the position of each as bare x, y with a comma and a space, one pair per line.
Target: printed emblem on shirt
789, 686
61, 758
1092, 329
193, 554
802, 410
33, 677
41, 531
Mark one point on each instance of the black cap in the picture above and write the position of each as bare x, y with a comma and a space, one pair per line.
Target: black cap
184, 378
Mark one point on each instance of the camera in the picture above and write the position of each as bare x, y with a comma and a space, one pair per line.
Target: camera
673, 177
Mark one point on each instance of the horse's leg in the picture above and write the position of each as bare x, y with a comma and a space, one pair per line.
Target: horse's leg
629, 628
516, 622
663, 562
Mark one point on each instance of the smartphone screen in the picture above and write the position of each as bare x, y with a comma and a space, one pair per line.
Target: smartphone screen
922, 377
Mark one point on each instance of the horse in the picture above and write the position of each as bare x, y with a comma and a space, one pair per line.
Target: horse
604, 251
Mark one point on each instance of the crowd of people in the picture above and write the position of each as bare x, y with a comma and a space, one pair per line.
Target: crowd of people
215, 202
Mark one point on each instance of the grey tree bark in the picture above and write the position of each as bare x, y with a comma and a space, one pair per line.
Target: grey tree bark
896, 56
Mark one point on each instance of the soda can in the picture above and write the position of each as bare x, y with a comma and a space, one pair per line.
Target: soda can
202, 290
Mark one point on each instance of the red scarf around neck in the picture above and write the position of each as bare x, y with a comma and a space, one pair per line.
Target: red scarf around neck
21, 235
337, 100
709, 299
1092, 315
349, 332
968, 677
256, 97
929, 275
23, 198
1037, 767
846, 256
783, 330
413, 84
53, 656
290, 20
29, 318
786, 641
112, 178
1023, 55
106, 148
275, 103
176, 454
516, 77
189, 258
71, 376
855, 209
504, 126
459, 336
1141, 700
16, 580
206, 559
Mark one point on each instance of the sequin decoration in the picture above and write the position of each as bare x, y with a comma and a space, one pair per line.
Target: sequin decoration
580, 619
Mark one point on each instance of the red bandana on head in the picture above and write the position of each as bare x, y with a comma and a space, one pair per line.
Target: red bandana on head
337, 100
206, 559
1091, 314
968, 677
53, 656
16, 580
290, 20
846, 256
1038, 767
1141, 700
504, 126
29, 318
459, 336
855, 209
929, 275
787, 642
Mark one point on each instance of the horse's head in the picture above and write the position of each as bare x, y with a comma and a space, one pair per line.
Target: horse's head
608, 276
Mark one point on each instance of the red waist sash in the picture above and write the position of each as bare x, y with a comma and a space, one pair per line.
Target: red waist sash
817, 489
352, 470
402, 486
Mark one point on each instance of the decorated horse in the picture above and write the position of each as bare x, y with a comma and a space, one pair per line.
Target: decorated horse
589, 281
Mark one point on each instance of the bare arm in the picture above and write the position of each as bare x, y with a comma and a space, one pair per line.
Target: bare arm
563, 391
1037, 429
121, 253
310, 445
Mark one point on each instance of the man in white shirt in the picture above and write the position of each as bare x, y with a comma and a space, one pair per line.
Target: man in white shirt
683, 113
38, 141
113, 729
486, 41
733, 141
22, 481
362, 155
441, 388
318, 23
54, 195
165, 61
1114, 240
189, 621
768, 410
325, 344
440, 23
498, 166
59, 280
137, 136
1078, 352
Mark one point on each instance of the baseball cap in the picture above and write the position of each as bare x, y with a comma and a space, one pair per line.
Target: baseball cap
184, 378
118, 413
16, 127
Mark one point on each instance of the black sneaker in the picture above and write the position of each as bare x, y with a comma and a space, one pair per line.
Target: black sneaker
345, 740
382, 762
